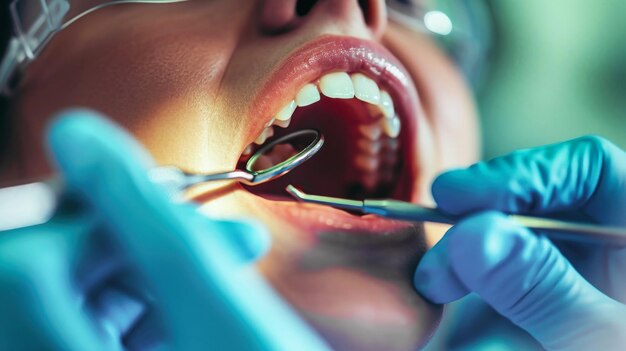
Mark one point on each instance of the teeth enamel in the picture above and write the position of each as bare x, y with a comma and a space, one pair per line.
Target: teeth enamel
260, 139
286, 112
267, 133
370, 131
391, 126
282, 124
377, 145
365, 89
307, 95
368, 146
247, 151
367, 163
337, 85
386, 105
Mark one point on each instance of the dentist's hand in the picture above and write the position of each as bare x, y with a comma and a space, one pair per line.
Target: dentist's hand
567, 296
153, 273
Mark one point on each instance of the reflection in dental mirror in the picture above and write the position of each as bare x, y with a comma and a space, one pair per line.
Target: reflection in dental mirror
281, 155
272, 160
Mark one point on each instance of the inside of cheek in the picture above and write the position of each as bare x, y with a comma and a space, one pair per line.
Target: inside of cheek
332, 171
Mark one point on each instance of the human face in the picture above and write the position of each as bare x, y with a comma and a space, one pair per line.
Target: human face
197, 82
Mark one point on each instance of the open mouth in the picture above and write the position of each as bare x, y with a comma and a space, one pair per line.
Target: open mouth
361, 99
354, 97
361, 155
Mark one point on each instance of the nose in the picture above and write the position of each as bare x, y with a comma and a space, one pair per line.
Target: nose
281, 16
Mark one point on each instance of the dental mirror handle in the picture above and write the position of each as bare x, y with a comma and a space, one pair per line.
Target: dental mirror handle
238, 175
176, 180
555, 229
35, 203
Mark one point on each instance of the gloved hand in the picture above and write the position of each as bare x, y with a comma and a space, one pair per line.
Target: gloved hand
568, 296
186, 280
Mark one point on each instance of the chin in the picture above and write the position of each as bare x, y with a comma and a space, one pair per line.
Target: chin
349, 276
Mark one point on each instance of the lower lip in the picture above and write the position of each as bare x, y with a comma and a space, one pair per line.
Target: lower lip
318, 219
338, 294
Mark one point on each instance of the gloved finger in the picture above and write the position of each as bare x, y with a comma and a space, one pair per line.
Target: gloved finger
70, 137
584, 173
115, 295
98, 160
205, 293
40, 303
251, 239
434, 278
526, 279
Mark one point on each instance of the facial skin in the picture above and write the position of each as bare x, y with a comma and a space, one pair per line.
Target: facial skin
181, 78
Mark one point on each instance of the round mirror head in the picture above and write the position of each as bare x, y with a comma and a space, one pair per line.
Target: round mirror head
280, 156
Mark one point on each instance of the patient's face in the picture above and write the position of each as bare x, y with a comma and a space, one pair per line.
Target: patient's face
198, 82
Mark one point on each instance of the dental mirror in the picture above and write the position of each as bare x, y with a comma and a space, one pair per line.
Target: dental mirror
266, 164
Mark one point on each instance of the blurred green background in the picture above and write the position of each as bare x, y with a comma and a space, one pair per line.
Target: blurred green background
558, 72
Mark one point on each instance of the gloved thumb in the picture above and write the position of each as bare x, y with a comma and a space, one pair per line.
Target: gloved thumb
526, 279
96, 155
249, 240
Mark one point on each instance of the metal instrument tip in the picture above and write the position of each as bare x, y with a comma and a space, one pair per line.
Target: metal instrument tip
346, 204
295, 192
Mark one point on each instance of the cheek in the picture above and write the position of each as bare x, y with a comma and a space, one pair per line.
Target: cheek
159, 85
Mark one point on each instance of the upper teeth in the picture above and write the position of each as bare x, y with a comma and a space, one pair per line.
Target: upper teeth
391, 126
386, 105
286, 112
267, 133
337, 85
366, 89
307, 95
341, 85
377, 145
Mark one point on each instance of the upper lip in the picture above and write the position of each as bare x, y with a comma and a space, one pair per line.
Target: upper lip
331, 53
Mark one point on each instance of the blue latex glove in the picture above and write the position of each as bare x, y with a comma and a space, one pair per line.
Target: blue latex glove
567, 296
187, 282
